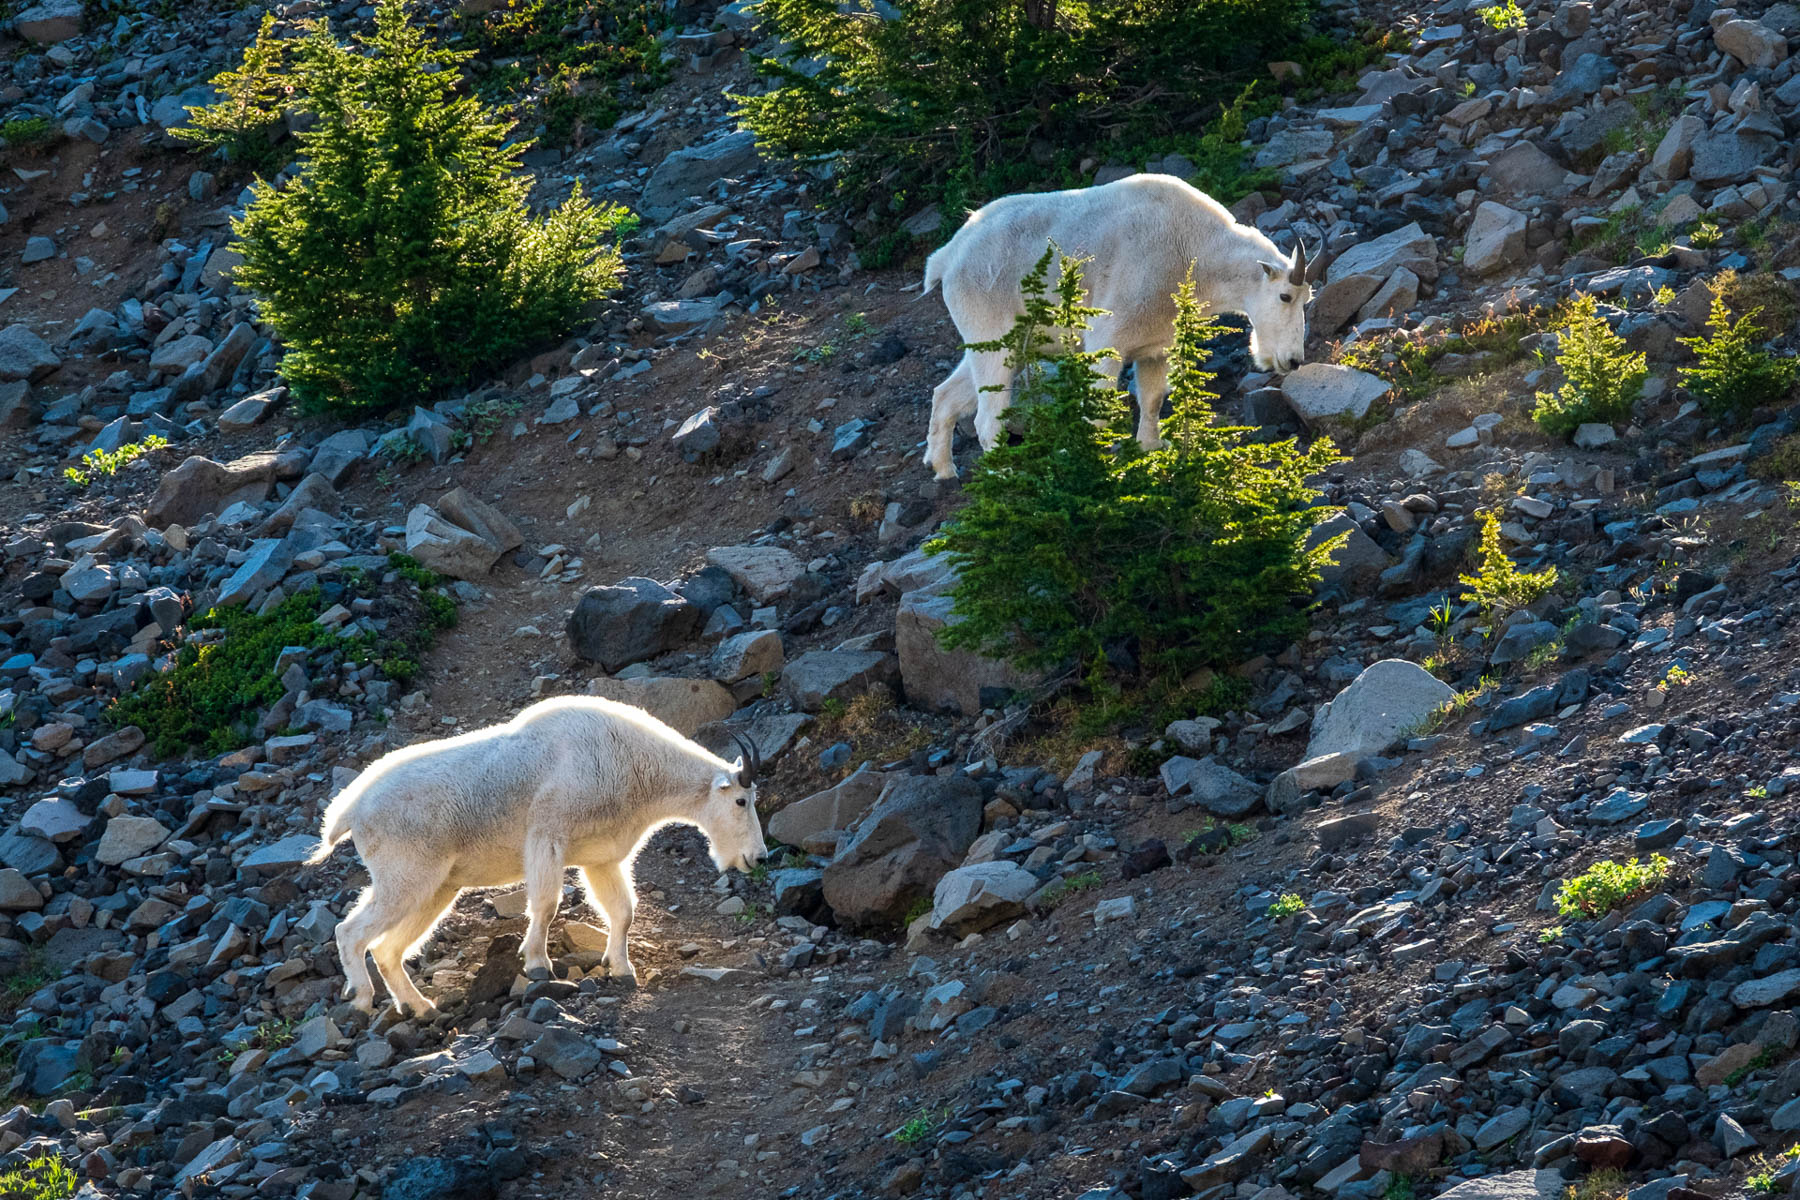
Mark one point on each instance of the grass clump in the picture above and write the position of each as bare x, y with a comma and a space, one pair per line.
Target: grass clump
1498, 585
1607, 1183
1601, 377
1607, 885
32, 973
1078, 544
401, 259
104, 464
46, 1177
1765, 1180
1286, 905
1765, 1058
961, 100
1736, 374
1060, 892
918, 1129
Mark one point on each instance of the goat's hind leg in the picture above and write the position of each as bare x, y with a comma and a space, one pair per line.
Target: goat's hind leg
544, 858
358, 929
401, 940
993, 383
952, 400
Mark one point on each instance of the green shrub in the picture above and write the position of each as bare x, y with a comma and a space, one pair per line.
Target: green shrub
46, 1177
103, 464
248, 121
967, 99
1076, 540
1497, 584
402, 259
1736, 373
1058, 893
1506, 15
1607, 885
593, 56
1286, 905
1601, 377
26, 131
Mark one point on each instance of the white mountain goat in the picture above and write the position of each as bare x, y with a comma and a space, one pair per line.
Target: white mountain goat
1140, 237
572, 781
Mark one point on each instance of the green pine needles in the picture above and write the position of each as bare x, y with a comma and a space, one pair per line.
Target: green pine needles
1077, 543
1497, 584
401, 260
963, 100
1601, 377
246, 123
1736, 373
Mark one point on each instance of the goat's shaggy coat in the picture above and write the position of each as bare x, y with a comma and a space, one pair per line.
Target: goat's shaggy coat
574, 781
1139, 238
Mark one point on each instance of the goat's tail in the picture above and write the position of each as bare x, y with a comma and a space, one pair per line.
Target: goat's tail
337, 817
934, 271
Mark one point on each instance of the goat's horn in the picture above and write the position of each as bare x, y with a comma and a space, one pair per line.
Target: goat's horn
1298, 275
747, 773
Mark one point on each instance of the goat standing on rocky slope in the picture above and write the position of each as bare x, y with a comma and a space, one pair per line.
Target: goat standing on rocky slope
1140, 238
575, 780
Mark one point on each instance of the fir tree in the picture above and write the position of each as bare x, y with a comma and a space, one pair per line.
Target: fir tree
1075, 541
247, 121
401, 258
1736, 373
1602, 377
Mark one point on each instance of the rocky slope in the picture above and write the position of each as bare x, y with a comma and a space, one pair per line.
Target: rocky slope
710, 503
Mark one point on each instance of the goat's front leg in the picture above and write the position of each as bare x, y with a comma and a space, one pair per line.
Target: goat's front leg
543, 888
609, 887
1152, 385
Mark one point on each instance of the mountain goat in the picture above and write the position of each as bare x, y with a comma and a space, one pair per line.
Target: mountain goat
577, 780
1140, 237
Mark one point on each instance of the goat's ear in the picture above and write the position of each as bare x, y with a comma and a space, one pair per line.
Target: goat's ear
1274, 270
724, 779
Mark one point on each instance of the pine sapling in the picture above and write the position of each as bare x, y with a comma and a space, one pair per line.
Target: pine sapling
1736, 374
1602, 378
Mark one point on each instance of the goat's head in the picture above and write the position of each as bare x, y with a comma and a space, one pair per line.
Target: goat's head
733, 830
1276, 306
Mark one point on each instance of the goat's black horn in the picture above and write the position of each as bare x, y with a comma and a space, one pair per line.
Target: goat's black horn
752, 761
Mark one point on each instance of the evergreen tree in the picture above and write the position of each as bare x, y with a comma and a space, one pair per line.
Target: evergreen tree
401, 258
247, 121
1735, 373
1076, 541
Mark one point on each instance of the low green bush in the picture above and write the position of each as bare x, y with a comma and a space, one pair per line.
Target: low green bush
401, 259
211, 697
964, 100
1602, 379
1497, 584
1077, 543
1607, 885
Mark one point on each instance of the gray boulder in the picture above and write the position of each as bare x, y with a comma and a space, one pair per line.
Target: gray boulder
1320, 392
917, 832
1385, 701
694, 170
822, 675
934, 677
25, 355
837, 807
446, 548
1410, 247
200, 487
630, 621
684, 705
975, 897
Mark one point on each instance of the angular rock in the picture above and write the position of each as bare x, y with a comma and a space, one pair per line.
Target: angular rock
916, 833
200, 487
975, 897
24, 355
1319, 392
765, 572
682, 704
630, 621
1496, 238
1410, 247
446, 548
694, 170
747, 655
129, 837
939, 679
821, 675
837, 807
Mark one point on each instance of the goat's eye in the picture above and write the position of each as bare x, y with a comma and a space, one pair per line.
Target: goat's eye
1286, 297
743, 802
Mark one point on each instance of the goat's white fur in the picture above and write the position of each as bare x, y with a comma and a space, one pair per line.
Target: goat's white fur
574, 781
1139, 238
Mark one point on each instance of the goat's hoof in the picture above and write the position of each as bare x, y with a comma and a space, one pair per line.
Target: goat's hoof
537, 974
626, 972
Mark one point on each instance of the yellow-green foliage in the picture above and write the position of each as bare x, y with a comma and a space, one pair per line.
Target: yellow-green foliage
1506, 15
1735, 373
46, 1177
98, 464
1286, 905
248, 119
1601, 377
1497, 584
1607, 885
